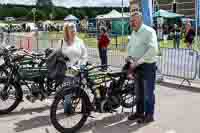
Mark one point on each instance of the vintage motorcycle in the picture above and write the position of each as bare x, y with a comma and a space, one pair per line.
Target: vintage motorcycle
91, 90
22, 73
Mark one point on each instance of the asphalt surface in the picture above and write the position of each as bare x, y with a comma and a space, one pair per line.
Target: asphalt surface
177, 111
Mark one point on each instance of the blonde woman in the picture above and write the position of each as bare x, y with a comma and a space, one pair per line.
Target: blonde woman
73, 48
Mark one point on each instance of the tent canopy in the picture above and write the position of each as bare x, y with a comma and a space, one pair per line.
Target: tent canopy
70, 18
117, 27
112, 15
166, 14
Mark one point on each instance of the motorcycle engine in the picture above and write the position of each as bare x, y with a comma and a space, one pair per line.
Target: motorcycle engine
108, 98
109, 104
35, 89
36, 93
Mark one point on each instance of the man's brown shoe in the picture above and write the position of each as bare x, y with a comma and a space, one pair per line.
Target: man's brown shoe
136, 117
148, 119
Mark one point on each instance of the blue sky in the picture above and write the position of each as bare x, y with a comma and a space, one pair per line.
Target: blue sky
69, 3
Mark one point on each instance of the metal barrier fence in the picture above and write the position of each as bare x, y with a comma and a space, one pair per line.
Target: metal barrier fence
115, 57
178, 63
35, 40
30, 43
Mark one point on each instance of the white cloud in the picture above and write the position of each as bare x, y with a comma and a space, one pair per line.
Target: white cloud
69, 3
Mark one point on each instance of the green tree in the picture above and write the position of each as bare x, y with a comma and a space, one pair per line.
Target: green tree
82, 14
39, 15
46, 8
60, 13
41, 3
19, 11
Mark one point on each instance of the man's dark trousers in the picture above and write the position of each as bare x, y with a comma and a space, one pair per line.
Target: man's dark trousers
103, 56
145, 86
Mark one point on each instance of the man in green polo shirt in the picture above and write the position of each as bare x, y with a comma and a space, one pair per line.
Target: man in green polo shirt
143, 47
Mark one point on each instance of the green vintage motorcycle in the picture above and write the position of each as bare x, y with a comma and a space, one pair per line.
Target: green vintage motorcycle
92, 91
23, 73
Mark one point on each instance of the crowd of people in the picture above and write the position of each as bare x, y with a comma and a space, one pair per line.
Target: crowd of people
177, 33
28, 27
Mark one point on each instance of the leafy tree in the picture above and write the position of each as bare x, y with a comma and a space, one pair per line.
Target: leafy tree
19, 11
43, 3
39, 15
46, 9
60, 13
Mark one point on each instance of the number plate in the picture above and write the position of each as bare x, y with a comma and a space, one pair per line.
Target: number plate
70, 73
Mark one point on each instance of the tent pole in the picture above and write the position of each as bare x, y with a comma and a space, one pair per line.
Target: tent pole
122, 10
196, 17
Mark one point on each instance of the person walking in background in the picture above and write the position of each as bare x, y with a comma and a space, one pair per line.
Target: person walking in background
103, 42
176, 36
165, 32
190, 34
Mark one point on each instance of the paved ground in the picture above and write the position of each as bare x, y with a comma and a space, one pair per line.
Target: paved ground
177, 111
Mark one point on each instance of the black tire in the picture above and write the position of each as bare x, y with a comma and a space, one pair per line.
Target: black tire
128, 90
59, 97
3, 72
18, 98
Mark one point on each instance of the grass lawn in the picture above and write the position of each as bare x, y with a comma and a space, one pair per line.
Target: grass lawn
92, 41
169, 44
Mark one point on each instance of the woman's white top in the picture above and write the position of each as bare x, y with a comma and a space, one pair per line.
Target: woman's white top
76, 52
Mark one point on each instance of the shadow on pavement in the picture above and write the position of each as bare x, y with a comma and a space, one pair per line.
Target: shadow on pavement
27, 111
182, 87
112, 124
36, 122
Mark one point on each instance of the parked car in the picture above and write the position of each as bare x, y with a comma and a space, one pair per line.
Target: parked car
9, 19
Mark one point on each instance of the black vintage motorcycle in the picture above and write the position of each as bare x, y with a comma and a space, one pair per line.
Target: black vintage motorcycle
91, 90
23, 72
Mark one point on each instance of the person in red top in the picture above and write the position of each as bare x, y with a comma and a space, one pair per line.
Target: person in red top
103, 42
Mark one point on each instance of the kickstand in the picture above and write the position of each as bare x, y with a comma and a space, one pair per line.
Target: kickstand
92, 116
122, 109
132, 109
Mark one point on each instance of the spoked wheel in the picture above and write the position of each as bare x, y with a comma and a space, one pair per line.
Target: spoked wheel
128, 95
73, 120
9, 98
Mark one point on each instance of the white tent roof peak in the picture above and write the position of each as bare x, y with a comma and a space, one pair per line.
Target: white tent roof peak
114, 14
70, 17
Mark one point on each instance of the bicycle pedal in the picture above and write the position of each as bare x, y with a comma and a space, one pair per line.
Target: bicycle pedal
92, 116
114, 110
140, 121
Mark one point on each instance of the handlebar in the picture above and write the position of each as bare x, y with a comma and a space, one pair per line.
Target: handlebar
87, 69
98, 66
